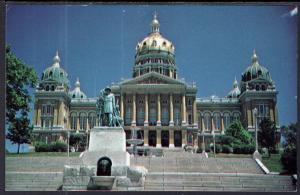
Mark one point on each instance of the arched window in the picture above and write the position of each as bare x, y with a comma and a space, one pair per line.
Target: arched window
92, 120
226, 118
217, 121
140, 116
50, 74
236, 116
52, 88
177, 116
248, 76
128, 116
259, 73
165, 116
257, 87
47, 88
73, 95
152, 116
73, 121
207, 121
82, 121
164, 43
61, 74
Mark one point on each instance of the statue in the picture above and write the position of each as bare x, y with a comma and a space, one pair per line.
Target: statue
108, 110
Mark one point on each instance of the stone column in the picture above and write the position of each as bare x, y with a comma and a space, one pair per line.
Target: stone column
250, 122
195, 113
87, 123
184, 136
158, 111
34, 118
78, 124
146, 122
222, 124
202, 123
55, 116
61, 114
39, 113
146, 137
122, 107
133, 122
171, 141
183, 120
158, 138
171, 123
212, 124
195, 139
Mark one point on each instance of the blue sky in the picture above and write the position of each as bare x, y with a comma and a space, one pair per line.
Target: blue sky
213, 44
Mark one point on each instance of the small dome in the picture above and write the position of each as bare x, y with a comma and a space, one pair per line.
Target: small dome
77, 93
235, 92
55, 72
256, 71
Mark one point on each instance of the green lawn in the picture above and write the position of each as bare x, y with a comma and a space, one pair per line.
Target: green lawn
33, 154
273, 163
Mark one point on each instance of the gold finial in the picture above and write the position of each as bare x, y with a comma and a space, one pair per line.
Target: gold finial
254, 56
155, 15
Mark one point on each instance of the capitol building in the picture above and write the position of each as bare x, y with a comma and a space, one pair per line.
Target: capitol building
163, 107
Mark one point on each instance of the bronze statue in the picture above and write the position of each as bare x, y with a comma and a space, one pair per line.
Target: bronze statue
108, 110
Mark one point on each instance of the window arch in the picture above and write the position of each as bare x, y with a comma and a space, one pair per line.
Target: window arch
217, 121
82, 121
154, 43
50, 74
47, 87
92, 120
128, 116
207, 121
52, 88
165, 116
236, 116
152, 116
140, 116
226, 118
73, 121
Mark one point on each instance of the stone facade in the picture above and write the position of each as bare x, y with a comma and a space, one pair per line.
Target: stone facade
164, 107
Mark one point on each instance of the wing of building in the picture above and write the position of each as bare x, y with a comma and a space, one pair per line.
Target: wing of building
164, 107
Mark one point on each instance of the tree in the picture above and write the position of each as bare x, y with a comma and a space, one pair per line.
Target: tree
267, 134
289, 156
78, 141
19, 77
237, 131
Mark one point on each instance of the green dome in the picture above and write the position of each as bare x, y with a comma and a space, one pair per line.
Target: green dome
256, 71
55, 73
77, 93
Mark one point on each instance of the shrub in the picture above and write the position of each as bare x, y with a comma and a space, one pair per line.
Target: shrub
58, 146
218, 148
41, 147
226, 149
226, 139
243, 149
289, 158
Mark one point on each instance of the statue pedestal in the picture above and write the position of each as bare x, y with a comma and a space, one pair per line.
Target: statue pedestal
109, 142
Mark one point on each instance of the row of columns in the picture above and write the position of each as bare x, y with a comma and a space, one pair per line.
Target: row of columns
146, 121
212, 123
171, 137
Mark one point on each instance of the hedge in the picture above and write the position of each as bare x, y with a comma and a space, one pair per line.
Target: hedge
57, 146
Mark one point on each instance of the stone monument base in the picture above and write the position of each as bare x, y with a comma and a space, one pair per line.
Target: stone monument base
107, 142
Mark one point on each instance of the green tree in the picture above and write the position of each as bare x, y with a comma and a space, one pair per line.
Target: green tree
19, 78
78, 141
289, 156
267, 134
237, 131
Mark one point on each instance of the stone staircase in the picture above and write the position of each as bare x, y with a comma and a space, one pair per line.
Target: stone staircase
217, 182
33, 181
175, 171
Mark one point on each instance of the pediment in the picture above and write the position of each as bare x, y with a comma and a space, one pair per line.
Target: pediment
152, 78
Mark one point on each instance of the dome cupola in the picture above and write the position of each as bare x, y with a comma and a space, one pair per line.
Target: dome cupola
256, 77
235, 92
54, 76
256, 71
77, 93
155, 53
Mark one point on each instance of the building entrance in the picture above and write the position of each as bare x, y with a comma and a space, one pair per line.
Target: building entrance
165, 138
152, 138
177, 139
